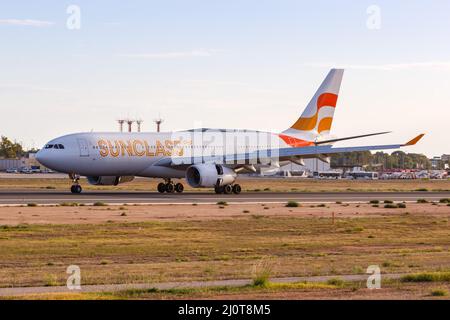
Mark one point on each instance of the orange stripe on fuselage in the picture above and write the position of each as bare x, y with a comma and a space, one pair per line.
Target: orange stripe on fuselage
295, 142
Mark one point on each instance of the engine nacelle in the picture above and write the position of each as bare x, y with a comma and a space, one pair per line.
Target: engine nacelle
209, 175
108, 180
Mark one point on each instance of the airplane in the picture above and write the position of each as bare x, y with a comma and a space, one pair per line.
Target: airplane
205, 158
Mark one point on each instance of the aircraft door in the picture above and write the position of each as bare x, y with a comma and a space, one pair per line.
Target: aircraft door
84, 148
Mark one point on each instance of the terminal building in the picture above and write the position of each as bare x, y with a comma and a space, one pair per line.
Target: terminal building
23, 162
310, 165
441, 162
296, 170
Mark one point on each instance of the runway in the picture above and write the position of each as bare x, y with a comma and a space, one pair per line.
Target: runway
119, 197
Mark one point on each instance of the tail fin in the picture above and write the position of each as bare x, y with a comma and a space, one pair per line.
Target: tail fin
317, 117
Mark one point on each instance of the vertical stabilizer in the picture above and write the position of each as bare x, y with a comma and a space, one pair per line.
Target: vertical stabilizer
317, 118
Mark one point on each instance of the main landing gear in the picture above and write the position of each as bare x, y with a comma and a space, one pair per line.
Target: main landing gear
228, 189
75, 188
170, 187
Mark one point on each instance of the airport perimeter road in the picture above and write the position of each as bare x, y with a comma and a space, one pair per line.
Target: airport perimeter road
117, 197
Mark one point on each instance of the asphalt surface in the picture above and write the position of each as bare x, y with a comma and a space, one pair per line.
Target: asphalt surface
179, 285
118, 197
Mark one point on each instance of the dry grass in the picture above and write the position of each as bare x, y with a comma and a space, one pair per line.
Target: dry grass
301, 290
427, 277
223, 248
79, 213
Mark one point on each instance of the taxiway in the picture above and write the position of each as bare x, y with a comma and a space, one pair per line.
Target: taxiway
119, 197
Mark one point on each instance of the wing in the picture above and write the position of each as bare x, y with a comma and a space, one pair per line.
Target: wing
350, 138
264, 156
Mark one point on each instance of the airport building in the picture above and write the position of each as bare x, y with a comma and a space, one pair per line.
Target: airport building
23, 162
6, 164
441, 162
292, 169
310, 165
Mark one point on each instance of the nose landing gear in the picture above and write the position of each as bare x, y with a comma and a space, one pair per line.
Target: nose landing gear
75, 188
169, 187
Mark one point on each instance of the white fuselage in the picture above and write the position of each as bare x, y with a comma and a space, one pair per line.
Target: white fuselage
205, 157
139, 154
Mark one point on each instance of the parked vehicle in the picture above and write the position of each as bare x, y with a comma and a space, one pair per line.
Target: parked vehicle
327, 175
362, 175
26, 170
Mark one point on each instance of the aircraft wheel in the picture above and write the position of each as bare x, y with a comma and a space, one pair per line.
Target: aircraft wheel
161, 187
227, 189
170, 188
218, 190
76, 188
179, 187
237, 189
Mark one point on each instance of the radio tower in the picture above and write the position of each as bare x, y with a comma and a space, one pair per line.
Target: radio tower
139, 122
158, 122
130, 123
121, 122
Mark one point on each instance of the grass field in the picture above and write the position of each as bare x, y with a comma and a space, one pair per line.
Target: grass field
248, 184
184, 248
349, 290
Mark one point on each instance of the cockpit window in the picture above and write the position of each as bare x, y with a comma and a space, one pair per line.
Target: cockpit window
54, 146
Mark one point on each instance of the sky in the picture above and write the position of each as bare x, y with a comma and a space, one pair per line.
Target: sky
227, 64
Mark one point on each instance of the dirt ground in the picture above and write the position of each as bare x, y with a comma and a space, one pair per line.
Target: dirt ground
161, 243
391, 291
14, 215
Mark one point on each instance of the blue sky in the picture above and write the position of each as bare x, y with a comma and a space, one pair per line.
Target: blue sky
232, 64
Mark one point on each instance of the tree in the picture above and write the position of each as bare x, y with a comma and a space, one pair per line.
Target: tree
9, 149
396, 160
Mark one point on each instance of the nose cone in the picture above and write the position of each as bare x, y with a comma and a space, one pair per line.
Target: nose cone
42, 157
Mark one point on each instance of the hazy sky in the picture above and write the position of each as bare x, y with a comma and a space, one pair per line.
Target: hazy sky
230, 64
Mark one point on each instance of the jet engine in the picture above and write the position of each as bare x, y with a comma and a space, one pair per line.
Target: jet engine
209, 175
108, 180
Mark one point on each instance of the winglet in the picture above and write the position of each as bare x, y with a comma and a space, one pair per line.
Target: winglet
415, 140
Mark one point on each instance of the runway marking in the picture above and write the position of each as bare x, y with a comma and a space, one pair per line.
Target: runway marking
224, 198
55, 198
58, 204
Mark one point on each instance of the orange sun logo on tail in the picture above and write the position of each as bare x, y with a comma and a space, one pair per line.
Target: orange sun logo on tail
317, 117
